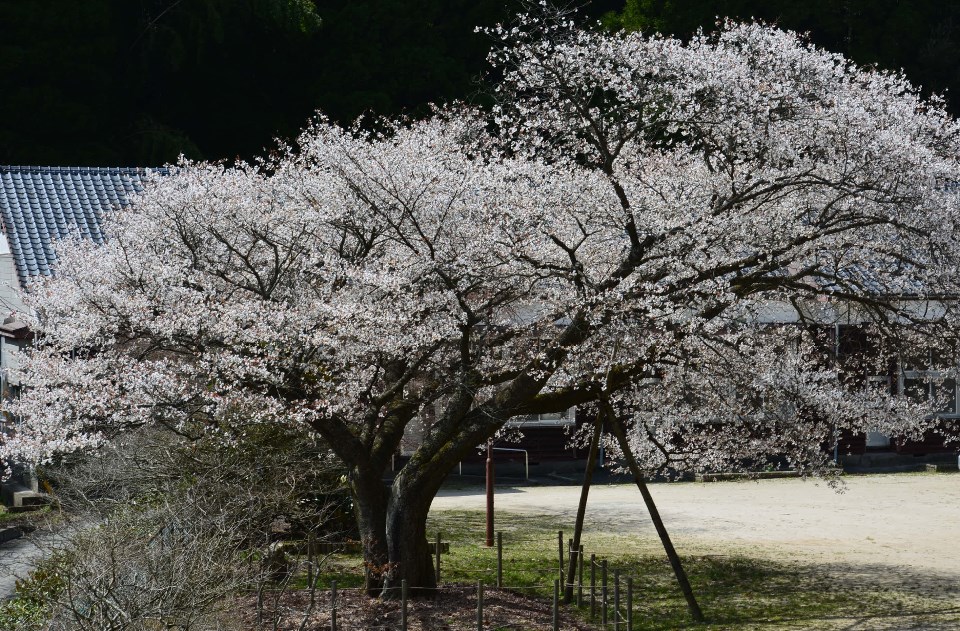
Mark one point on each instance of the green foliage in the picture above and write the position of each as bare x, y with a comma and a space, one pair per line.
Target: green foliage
262, 474
29, 609
9, 518
45, 581
640, 15
22, 615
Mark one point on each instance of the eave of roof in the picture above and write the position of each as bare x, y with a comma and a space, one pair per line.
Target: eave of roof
41, 205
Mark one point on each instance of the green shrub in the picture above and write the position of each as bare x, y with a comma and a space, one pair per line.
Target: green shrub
29, 609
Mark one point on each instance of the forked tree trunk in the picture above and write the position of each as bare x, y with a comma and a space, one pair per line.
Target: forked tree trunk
394, 519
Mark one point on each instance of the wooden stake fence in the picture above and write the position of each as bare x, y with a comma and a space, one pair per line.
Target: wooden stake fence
616, 600
621, 620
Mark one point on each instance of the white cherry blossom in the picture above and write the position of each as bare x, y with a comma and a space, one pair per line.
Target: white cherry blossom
619, 227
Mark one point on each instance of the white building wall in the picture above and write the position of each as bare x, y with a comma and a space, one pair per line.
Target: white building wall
10, 301
11, 304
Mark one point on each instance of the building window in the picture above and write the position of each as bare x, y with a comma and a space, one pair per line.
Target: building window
553, 419
922, 381
931, 387
883, 385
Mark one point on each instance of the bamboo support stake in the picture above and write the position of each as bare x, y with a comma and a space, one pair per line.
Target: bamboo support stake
556, 605
403, 605
560, 549
333, 606
438, 558
603, 592
616, 600
499, 559
593, 587
479, 605
580, 577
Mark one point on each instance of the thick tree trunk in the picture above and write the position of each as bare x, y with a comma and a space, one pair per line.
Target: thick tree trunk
407, 548
370, 499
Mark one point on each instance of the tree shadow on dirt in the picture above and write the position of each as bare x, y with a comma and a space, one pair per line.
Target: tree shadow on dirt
839, 596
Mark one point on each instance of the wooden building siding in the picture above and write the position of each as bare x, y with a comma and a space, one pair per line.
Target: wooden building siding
861, 366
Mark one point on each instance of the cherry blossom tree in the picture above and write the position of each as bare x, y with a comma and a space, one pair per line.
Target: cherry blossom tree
619, 231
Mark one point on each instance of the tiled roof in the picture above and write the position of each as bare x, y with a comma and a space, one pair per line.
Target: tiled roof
39, 205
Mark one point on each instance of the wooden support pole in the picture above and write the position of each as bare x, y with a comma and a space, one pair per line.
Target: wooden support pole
629, 603
584, 492
490, 474
621, 435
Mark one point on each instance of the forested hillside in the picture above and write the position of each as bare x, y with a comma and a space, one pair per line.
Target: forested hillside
137, 82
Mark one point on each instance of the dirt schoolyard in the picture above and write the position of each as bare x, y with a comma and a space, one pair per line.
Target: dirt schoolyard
887, 525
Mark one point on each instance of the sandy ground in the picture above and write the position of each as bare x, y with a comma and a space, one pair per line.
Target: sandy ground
904, 524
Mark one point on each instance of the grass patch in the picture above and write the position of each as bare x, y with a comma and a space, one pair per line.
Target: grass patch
735, 591
10, 518
346, 569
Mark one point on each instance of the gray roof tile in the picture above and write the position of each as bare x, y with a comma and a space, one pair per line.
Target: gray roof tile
40, 205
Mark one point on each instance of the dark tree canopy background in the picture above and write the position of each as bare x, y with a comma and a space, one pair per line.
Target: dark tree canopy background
137, 82
921, 37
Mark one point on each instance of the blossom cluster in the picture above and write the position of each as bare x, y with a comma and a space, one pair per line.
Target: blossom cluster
620, 226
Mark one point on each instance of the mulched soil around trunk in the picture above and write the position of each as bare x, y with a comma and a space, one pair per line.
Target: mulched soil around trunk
454, 609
